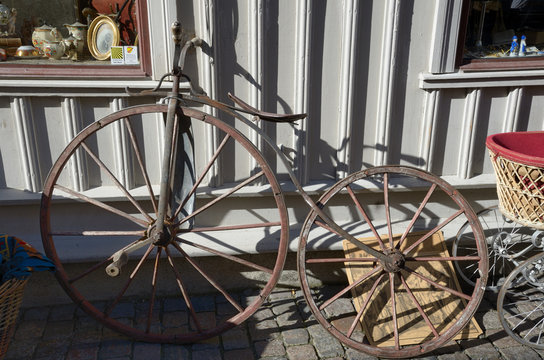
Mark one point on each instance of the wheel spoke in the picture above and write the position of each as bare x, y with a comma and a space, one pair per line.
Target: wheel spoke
443, 258
339, 260
102, 205
434, 283
433, 231
140, 160
153, 290
394, 310
386, 204
234, 227
365, 216
418, 306
209, 278
117, 183
351, 286
183, 290
110, 308
202, 175
227, 256
416, 215
98, 233
365, 303
89, 270
219, 198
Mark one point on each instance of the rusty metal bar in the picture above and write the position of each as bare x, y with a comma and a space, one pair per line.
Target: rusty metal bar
431, 232
227, 256
102, 205
134, 143
418, 306
365, 215
98, 233
114, 179
434, 283
351, 286
219, 198
201, 177
416, 215
183, 291
209, 278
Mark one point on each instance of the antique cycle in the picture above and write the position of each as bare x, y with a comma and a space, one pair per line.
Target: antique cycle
364, 227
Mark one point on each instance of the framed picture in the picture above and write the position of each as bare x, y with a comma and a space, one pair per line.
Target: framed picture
102, 35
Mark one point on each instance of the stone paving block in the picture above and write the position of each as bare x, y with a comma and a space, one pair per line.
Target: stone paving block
32, 329
146, 351
269, 348
236, 338
325, 344
83, 352
62, 312
37, 313
115, 348
175, 352
519, 352
263, 330
301, 352
281, 294
175, 319
208, 354
297, 336
123, 310
240, 354
480, 349
174, 304
58, 330
449, 348
21, 349
352, 354
262, 313
500, 339
289, 319
489, 321
52, 347
203, 303
454, 356
340, 307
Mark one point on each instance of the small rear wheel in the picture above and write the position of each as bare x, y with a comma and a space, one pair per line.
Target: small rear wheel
168, 291
520, 303
406, 301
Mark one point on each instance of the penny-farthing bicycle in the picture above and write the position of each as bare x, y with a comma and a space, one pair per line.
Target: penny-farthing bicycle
162, 238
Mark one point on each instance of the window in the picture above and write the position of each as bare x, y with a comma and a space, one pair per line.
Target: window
74, 38
502, 34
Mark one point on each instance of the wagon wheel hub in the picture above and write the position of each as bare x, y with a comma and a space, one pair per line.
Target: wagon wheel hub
164, 237
394, 260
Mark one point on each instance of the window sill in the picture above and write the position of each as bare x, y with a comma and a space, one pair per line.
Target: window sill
472, 79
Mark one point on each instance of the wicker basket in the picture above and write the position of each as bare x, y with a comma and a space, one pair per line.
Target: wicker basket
519, 168
11, 295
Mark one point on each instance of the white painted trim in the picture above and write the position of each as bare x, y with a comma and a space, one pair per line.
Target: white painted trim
386, 84
302, 87
427, 132
445, 34
470, 118
27, 143
72, 125
347, 69
511, 115
481, 79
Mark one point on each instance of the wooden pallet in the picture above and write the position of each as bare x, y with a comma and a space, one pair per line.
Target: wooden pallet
442, 308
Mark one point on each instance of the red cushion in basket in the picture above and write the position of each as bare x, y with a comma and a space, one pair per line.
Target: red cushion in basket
522, 147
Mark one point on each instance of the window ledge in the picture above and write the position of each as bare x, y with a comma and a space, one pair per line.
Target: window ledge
462, 79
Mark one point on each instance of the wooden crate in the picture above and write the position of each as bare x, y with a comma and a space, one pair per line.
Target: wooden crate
442, 308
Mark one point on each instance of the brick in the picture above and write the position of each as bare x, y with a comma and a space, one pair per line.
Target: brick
301, 352
235, 339
325, 344
83, 352
115, 348
208, 354
519, 352
240, 354
269, 348
146, 351
295, 337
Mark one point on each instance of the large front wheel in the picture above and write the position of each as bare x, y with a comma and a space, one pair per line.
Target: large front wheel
100, 208
406, 301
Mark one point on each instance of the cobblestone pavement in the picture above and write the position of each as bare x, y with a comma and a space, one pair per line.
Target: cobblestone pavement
282, 328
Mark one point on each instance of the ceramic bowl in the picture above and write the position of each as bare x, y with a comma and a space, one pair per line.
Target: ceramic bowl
27, 51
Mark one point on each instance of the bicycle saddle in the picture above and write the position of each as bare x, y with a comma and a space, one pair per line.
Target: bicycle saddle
266, 115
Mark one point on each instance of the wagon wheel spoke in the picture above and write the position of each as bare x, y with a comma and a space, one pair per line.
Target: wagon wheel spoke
365, 216
116, 181
202, 175
121, 293
386, 204
102, 205
209, 278
141, 163
416, 215
153, 290
183, 291
364, 305
434, 283
418, 306
394, 310
221, 197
